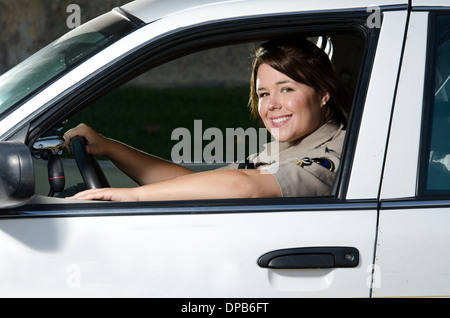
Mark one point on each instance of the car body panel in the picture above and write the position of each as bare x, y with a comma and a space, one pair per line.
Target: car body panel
412, 254
180, 255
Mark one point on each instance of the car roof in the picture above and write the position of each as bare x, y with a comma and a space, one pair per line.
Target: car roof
152, 10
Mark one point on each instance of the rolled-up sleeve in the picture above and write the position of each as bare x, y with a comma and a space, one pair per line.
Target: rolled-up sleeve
296, 181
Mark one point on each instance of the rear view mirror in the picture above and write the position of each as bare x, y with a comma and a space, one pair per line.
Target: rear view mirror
16, 174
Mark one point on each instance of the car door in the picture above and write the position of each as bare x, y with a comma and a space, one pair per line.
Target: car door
413, 237
319, 247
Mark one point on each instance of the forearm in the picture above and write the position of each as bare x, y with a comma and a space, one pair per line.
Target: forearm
143, 168
204, 185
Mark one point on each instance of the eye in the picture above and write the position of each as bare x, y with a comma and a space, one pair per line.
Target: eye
262, 95
287, 89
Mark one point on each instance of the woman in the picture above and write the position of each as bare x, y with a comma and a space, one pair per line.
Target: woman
297, 95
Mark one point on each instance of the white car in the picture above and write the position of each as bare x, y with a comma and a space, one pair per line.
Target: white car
384, 231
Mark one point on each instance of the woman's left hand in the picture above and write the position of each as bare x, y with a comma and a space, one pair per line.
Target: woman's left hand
107, 194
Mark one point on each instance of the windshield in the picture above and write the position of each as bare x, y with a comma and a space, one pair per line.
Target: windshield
26, 78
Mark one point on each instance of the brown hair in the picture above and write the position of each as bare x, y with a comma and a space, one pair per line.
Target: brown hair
304, 62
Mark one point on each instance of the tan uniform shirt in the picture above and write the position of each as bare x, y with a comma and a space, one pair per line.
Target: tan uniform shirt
304, 168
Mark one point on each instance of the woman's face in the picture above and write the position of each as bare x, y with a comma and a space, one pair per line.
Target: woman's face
290, 110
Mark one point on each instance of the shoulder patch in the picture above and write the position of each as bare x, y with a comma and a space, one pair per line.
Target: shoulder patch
324, 162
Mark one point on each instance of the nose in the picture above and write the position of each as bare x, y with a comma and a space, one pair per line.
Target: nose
273, 103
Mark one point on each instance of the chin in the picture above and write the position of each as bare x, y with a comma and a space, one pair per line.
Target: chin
282, 136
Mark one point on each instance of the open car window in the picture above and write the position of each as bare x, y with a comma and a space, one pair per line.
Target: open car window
192, 110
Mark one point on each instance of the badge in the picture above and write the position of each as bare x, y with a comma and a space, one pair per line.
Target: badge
304, 162
324, 162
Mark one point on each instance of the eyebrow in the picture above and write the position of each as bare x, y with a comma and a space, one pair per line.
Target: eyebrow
283, 82
277, 83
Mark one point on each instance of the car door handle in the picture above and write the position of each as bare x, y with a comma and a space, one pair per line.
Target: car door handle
310, 257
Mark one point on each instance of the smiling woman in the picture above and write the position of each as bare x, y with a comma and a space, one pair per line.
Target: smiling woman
295, 91
303, 118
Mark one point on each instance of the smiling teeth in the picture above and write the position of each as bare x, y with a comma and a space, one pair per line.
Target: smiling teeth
281, 119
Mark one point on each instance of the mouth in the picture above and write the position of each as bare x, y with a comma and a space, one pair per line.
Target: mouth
280, 121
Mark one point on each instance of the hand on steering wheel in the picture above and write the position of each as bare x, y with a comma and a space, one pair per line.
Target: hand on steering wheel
90, 170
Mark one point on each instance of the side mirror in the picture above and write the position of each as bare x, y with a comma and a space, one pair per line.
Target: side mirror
16, 174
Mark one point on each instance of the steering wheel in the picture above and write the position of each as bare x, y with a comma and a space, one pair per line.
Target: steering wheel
90, 170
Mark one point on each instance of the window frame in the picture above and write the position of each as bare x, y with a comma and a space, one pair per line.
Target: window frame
207, 36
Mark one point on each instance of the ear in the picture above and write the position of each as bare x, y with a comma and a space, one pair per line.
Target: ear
324, 99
